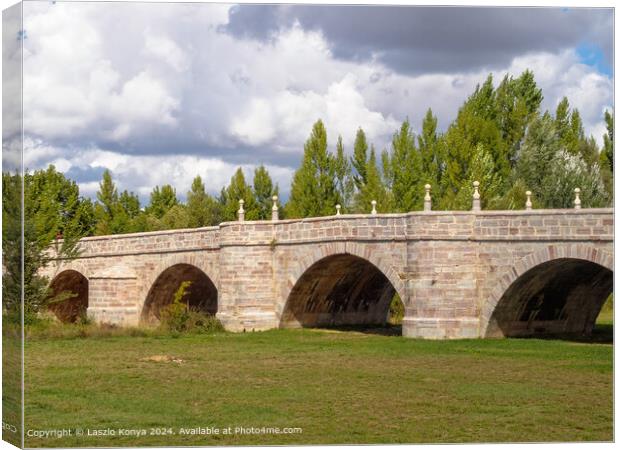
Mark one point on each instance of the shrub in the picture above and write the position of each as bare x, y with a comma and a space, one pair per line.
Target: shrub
397, 311
174, 316
203, 323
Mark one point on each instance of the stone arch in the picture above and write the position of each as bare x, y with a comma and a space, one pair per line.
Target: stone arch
558, 272
339, 284
68, 299
202, 294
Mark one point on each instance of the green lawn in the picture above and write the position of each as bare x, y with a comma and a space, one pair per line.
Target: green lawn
339, 387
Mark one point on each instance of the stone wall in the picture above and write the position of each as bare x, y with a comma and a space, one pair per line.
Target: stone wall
451, 269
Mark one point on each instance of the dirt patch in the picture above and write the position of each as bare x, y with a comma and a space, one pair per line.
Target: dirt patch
162, 358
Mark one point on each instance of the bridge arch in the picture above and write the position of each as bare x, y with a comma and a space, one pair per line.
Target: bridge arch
339, 284
68, 297
202, 294
558, 289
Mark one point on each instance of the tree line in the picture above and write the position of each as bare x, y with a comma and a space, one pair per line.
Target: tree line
500, 137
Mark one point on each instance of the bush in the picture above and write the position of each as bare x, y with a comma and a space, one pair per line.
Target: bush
202, 323
397, 311
174, 317
177, 317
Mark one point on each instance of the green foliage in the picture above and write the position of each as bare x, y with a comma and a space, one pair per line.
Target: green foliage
397, 311
203, 210
313, 190
345, 180
264, 190
372, 188
404, 169
175, 315
552, 172
162, 200
237, 190
360, 158
53, 209
428, 144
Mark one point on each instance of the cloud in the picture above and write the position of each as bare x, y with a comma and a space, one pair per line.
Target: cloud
169, 91
417, 39
166, 50
284, 119
140, 173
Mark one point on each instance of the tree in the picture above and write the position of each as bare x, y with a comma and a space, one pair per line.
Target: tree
405, 170
432, 165
372, 189
176, 218
313, 190
162, 200
517, 102
345, 184
359, 158
264, 190
608, 142
203, 210
483, 171
552, 172
606, 158
109, 213
237, 190
51, 206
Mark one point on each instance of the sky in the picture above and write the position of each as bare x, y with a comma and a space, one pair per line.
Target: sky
159, 93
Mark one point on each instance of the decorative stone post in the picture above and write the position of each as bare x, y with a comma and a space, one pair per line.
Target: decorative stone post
427, 197
476, 197
528, 202
274, 208
577, 199
374, 207
337, 210
241, 211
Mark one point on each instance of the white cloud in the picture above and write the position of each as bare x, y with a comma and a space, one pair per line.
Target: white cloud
166, 50
140, 173
72, 88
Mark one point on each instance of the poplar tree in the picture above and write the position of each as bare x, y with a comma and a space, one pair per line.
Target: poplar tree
405, 170
313, 190
345, 183
359, 158
162, 200
264, 190
429, 150
109, 213
237, 190
202, 209
373, 189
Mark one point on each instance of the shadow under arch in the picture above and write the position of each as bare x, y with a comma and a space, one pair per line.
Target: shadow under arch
339, 290
68, 298
562, 296
201, 294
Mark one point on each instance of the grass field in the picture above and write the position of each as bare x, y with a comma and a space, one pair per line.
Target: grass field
338, 387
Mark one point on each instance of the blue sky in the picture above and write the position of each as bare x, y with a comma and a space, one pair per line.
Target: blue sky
159, 93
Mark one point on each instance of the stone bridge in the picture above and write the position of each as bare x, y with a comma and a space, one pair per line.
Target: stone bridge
459, 274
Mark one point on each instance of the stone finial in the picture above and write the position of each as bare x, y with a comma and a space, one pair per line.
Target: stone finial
427, 197
274, 208
374, 207
476, 197
337, 210
577, 199
241, 211
528, 202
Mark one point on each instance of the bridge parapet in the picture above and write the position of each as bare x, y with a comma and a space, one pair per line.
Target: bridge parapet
150, 242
